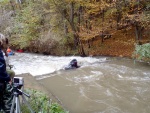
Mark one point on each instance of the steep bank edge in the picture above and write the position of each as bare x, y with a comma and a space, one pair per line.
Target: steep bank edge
30, 82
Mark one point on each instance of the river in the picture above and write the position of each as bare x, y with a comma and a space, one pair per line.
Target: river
100, 85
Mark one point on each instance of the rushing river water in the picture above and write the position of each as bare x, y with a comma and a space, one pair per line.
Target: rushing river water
100, 85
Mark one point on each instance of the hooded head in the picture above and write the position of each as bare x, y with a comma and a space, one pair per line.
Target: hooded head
74, 63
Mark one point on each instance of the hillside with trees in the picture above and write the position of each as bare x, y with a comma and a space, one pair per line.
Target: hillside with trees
78, 27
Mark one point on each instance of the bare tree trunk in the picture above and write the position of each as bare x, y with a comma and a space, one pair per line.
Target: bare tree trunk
138, 31
72, 24
65, 24
65, 29
118, 18
79, 18
81, 49
102, 36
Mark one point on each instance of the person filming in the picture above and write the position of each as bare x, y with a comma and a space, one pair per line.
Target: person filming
5, 79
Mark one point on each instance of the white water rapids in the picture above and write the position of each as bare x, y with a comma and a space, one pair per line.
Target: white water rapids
39, 64
100, 85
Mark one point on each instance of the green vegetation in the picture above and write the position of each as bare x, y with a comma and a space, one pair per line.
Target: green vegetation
41, 103
27, 23
142, 52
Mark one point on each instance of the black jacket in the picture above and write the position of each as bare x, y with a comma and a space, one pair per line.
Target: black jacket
3, 74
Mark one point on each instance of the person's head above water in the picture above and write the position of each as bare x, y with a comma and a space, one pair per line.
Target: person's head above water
74, 60
73, 63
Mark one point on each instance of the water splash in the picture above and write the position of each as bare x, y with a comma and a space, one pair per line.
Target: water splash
38, 64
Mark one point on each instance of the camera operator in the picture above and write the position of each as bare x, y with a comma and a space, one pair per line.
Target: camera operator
5, 80
8, 66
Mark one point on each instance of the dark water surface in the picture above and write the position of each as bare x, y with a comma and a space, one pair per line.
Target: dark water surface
100, 85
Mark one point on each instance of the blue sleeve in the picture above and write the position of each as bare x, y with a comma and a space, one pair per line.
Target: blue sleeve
3, 74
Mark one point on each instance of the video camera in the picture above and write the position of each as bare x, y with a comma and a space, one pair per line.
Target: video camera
18, 82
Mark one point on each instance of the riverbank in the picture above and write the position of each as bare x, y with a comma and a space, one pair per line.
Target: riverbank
30, 82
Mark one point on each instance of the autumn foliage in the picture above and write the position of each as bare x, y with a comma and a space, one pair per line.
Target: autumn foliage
82, 27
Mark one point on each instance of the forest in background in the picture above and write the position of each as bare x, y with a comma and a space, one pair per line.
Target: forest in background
78, 27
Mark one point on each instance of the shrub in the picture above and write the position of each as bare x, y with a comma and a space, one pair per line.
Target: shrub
142, 52
40, 103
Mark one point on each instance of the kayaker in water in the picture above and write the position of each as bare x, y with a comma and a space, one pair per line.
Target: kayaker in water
72, 65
